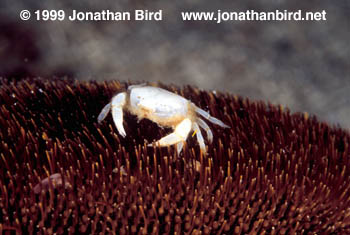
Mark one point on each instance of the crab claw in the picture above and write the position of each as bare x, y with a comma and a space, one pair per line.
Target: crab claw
178, 136
118, 103
104, 113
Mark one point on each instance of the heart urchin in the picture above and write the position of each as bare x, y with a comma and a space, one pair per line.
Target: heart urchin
272, 172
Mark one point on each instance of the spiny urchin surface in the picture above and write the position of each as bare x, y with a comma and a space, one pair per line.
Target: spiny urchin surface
272, 172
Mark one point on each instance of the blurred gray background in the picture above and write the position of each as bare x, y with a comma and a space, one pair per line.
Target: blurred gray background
304, 66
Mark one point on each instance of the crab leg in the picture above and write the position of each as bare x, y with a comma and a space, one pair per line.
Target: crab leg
199, 137
179, 147
117, 112
179, 135
210, 118
205, 126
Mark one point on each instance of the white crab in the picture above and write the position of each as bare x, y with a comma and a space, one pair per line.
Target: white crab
164, 108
